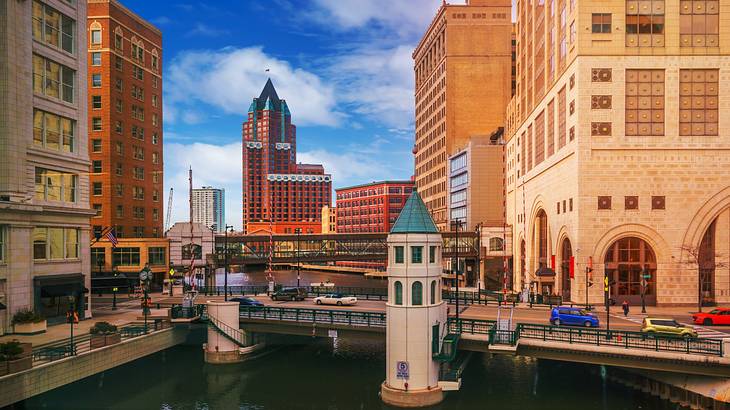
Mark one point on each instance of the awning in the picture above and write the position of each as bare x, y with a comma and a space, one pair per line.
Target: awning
60, 290
2, 306
545, 271
59, 285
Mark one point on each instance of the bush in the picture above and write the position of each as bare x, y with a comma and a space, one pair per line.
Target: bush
10, 350
27, 316
102, 328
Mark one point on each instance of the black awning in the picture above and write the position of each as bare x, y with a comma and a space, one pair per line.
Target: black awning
545, 271
2, 306
60, 290
52, 280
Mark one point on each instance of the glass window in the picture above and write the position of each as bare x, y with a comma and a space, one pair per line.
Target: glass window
96, 166
55, 243
55, 185
398, 293
53, 132
96, 189
72, 243
98, 258
433, 292
52, 27
96, 102
417, 293
416, 254
157, 256
432, 254
96, 124
96, 145
95, 36
398, 254
601, 22
52, 79
96, 80
96, 58
126, 256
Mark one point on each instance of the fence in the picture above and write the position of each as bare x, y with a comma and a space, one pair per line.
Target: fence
344, 317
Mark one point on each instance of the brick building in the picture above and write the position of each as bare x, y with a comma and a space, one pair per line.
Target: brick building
617, 151
277, 190
125, 120
463, 73
329, 219
372, 207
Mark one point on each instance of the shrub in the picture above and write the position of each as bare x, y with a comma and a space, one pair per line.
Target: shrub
102, 328
27, 316
10, 350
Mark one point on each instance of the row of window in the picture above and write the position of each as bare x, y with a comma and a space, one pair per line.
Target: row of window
371, 192
137, 51
137, 231
55, 243
416, 293
416, 254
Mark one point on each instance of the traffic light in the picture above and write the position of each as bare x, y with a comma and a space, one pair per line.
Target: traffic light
589, 275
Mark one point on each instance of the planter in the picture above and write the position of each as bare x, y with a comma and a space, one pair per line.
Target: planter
98, 341
18, 365
27, 349
32, 328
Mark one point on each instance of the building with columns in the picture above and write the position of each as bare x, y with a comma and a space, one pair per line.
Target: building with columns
618, 150
44, 160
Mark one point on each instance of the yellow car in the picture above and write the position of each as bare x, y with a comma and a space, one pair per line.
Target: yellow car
670, 327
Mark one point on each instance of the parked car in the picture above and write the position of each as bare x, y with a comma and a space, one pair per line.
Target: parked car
719, 316
335, 299
244, 302
667, 327
566, 315
289, 294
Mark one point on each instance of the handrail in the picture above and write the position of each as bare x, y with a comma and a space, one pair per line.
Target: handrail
347, 317
232, 334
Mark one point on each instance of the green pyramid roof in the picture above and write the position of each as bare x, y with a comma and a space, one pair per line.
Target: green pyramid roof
414, 218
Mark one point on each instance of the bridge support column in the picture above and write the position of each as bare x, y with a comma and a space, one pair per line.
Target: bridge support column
221, 349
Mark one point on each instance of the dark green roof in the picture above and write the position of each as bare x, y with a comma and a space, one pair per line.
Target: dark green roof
414, 218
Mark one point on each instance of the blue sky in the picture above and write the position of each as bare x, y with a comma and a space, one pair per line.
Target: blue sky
344, 67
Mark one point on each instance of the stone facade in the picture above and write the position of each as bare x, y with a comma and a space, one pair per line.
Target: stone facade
44, 195
619, 164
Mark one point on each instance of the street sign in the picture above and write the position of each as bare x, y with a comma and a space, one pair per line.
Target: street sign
172, 272
605, 283
646, 276
402, 370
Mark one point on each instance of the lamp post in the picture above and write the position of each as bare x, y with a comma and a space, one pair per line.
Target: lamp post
144, 276
225, 272
298, 231
457, 224
71, 318
645, 275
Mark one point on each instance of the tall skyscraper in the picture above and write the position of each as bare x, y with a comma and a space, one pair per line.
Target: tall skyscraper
617, 158
276, 190
463, 72
44, 203
125, 120
209, 207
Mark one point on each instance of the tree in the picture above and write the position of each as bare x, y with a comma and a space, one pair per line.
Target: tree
705, 260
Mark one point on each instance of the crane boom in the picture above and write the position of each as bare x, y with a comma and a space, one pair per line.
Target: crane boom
169, 211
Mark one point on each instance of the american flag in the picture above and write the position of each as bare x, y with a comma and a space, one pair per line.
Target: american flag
112, 238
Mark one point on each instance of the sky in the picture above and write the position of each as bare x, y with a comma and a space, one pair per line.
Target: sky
343, 66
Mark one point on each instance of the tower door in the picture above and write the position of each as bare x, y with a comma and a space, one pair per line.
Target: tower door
435, 334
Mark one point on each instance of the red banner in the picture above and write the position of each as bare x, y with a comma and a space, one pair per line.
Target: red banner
552, 262
572, 267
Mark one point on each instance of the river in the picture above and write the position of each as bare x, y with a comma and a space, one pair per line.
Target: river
336, 374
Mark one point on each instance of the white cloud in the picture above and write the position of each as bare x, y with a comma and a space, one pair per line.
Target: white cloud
218, 166
229, 78
200, 29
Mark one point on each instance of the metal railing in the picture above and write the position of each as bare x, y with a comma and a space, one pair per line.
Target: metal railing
181, 312
237, 336
344, 317
312, 291
620, 338
469, 326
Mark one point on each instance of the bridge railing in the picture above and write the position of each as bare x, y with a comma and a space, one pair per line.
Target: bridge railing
469, 326
312, 291
324, 316
620, 338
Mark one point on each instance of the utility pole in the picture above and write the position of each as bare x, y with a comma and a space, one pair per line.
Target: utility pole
298, 231
225, 272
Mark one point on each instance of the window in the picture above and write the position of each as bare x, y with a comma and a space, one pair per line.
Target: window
698, 102
119, 105
561, 118
156, 256
98, 255
97, 208
96, 58
398, 290
155, 62
119, 148
118, 84
137, 152
118, 38
96, 188
55, 243
52, 79
644, 102
496, 244
118, 169
155, 158
645, 23
53, 132
154, 138
138, 192
138, 72
432, 254
96, 102
604, 202
119, 189
96, 166
433, 292
118, 127
118, 63
154, 119
155, 214
540, 138
95, 145
398, 254
95, 36
416, 254
126, 256
120, 211
601, 22
138, 212
96, 80
154, 101
52, 27
699, 23
155, 195
96, 124
138, 173
55, 185
417, 293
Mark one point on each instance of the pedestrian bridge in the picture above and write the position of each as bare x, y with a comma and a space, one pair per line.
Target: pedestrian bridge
621, 348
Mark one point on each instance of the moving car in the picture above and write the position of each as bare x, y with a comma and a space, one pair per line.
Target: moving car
667, 327
335, 299
244, 301
719, 316
566, 315
289, 294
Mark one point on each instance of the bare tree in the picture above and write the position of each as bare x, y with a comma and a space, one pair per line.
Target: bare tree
703, 264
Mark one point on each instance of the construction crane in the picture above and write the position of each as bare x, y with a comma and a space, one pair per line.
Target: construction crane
169, 211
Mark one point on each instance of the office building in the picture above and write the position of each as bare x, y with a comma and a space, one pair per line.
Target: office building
329, 219
372, 207
209, 207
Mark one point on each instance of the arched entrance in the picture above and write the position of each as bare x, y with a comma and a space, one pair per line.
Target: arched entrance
545, 274
706, 261
630, 264
566, 253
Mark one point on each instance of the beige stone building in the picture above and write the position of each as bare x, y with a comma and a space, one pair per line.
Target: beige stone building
329, 219
44, 160
463, 71
618, 150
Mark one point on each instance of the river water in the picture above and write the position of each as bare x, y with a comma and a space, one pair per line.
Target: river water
337, 374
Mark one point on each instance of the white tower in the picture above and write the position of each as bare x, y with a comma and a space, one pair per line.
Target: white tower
416, 314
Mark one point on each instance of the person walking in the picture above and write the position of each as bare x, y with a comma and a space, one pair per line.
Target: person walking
625, 306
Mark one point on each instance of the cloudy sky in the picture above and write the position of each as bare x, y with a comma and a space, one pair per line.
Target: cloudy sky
344, 67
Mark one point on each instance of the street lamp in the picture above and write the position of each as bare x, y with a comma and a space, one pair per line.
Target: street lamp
298, 231
456, 224
145, 275
71, 318
225, 272
645, 275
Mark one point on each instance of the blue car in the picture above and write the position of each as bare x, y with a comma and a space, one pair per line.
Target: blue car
565, 315
245, 302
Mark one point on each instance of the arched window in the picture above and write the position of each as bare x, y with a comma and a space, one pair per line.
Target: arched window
631, 266
542, 238
565, 267
417, 293
398, 293
433, 292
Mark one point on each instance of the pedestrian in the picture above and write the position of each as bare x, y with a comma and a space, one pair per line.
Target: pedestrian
625, 306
